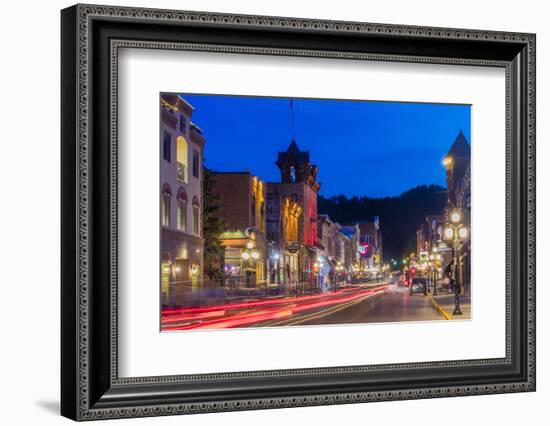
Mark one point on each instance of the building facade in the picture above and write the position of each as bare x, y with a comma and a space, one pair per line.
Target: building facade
241, 199
457, 169
353, 232
282, 224
181, 178
299, 184
370, 241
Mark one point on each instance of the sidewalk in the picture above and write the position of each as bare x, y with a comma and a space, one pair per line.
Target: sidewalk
445, 304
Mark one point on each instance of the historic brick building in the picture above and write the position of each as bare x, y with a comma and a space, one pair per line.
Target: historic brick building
241, 200
282, 217
299, 184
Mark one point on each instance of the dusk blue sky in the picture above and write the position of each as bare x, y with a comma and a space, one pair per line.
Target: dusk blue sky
367, 148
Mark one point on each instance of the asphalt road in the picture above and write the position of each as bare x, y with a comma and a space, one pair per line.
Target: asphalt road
394, 305
376, 303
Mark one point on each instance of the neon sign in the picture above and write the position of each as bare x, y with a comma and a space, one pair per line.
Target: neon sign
362, 249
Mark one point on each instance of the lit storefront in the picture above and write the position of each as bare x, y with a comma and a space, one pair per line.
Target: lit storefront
244, 258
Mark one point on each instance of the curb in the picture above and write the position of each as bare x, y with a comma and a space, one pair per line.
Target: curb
439, 309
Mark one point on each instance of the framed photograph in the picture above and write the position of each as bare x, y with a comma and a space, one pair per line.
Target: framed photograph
263, 212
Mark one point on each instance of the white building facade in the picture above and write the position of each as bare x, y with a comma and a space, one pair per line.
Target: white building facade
181, 180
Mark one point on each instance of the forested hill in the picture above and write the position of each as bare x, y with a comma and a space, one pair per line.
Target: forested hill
400, 216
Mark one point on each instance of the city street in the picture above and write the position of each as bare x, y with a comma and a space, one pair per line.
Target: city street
365, 303
392, 305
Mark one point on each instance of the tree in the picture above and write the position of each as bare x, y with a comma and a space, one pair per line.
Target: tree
213, 226
399, 216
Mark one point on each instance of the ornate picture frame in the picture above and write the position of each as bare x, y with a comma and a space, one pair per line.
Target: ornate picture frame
90, 41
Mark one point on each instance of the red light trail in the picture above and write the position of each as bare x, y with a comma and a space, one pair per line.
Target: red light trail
248, 313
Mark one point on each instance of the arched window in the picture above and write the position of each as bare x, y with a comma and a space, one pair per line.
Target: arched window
182, 154
165, 204
196, 216
181, 214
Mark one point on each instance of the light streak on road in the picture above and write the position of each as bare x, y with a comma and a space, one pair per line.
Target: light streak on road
246, 314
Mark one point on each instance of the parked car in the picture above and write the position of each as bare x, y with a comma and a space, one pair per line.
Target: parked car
418, 285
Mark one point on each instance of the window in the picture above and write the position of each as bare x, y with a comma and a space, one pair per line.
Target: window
365, 238
262, 215
183, 124
196, 211
166, 146
292, 174
165, 209
196, 162
253, 210
181, 158
182, 215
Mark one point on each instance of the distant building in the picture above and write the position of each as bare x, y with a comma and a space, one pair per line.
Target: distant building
241, 201
370, 243
434, 229
353, 232
422, 241
345, 254
181, 178
334, 246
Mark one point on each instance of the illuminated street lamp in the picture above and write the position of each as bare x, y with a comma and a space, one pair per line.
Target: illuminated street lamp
463, 233
456, 232
456, 216
248, 255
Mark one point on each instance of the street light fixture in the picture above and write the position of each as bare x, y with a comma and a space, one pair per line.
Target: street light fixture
248, 255
456, 232
463, 233
456, 217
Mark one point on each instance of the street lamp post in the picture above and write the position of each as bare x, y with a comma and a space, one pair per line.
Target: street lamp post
248, 255
456, 232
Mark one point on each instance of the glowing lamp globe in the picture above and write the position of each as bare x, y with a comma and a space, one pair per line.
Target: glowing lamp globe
455, 217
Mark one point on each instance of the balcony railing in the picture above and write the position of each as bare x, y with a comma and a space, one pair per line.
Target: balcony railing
182, 172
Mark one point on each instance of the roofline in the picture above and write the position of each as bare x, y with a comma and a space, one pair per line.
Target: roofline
231, 173
185, 102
